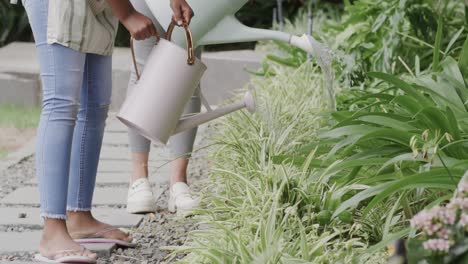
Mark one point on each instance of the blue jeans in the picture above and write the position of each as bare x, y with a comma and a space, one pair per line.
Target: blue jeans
76, 96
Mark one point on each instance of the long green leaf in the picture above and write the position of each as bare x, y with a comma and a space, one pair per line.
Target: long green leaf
463, 61
437, 179
436, 57
407, 88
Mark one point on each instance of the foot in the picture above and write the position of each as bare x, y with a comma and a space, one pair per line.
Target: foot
59, 245
83, 225
140, 197
180, 199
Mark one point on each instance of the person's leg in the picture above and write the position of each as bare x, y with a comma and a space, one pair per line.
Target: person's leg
86, 148
139, 145
181, 144
62, 75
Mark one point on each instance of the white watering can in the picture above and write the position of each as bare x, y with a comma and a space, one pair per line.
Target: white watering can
171, 73
169, 79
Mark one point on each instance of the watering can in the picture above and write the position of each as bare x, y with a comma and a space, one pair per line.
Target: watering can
169, 79
214, 23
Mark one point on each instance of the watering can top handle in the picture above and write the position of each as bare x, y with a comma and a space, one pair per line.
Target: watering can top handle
188, 36
190, 49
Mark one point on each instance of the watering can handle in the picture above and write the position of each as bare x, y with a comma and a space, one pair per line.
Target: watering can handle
188, 35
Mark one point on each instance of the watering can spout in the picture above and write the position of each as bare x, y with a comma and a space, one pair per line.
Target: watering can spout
241, 33
196, 120
238, 32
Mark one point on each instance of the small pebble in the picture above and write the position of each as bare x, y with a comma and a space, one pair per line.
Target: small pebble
22, 215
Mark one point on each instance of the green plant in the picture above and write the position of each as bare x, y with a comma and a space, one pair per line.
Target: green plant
256, 211
403, 145
378, 35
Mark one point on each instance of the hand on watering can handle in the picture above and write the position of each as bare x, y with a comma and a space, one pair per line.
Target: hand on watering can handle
183, 13
140, 26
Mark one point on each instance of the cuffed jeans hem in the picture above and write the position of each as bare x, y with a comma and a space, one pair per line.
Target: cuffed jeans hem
53, 216
77, 209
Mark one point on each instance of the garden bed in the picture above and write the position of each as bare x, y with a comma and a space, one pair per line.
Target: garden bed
300, 182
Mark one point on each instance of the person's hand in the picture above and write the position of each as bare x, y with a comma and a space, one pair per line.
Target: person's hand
139, 26
183, 13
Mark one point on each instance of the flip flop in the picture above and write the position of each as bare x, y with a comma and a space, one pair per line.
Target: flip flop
78, 258
97, 238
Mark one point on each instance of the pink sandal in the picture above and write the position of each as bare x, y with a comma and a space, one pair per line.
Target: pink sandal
98, 238
75, 258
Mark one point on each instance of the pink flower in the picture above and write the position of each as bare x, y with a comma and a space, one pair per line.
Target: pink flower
458, 203
437, 245
444, 233
433, 222
463, 220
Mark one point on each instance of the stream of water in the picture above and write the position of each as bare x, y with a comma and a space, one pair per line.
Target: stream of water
323, 56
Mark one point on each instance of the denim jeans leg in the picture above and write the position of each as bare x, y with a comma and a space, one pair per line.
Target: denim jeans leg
61, 74
89, 130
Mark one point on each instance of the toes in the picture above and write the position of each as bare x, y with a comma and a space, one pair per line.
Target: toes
129, 238
89, 254
121, 235
125, 237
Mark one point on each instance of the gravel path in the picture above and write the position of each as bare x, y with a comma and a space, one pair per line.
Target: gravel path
163, 228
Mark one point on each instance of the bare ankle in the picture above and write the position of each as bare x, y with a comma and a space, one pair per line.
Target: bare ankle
53, 227
76, 219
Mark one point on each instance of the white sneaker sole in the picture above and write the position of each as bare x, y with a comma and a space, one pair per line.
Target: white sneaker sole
141, 207
173, 208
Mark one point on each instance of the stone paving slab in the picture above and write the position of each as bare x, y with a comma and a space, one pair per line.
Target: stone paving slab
102, 196
29, 241
160, 176
115, 217
125, 166
115, 139
18, 242
124, 153
114, 125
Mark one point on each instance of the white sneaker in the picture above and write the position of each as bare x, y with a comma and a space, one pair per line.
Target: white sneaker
180, 199
140, 197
